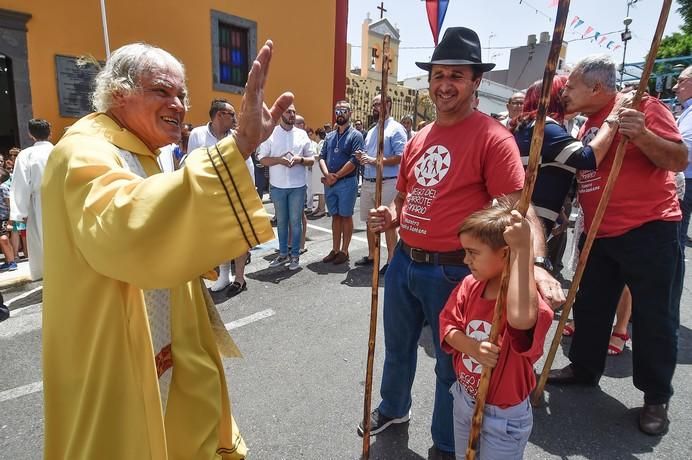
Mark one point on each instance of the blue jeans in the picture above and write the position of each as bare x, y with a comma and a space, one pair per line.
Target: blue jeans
686, 208
415, 292
288, 206
649, 260
504, 433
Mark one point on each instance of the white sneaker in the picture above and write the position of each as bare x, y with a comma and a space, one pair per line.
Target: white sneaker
294, 264
224, 278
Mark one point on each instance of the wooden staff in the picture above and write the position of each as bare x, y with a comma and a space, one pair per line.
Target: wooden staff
522, 207
376, 254
602, 205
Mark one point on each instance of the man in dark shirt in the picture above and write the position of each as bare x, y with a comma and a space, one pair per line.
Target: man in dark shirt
340, 170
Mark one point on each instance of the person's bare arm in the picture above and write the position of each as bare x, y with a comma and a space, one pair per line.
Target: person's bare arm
386, 217
522, 301
663, 153
486, 353
548, 286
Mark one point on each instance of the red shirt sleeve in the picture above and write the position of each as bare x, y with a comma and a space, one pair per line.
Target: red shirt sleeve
660, 120
452, 316
503, 172
529, 343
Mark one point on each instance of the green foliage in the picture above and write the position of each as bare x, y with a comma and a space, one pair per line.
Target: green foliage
678, 44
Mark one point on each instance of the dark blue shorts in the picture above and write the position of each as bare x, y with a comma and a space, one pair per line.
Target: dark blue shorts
341, 197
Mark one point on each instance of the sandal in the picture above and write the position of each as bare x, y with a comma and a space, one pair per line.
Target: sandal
568, 331
614, 350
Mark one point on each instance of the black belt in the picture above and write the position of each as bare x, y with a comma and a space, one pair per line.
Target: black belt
436, 258
375, 180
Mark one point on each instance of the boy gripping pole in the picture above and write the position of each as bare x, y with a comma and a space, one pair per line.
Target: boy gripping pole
489, 237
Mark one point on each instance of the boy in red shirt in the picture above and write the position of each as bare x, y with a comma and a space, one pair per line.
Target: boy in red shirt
490, 236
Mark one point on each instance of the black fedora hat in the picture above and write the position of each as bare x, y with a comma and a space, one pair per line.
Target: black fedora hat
459, 46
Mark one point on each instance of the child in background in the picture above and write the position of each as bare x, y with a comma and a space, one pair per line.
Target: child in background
490, 236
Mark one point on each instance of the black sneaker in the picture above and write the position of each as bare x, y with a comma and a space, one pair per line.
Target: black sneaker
379, 422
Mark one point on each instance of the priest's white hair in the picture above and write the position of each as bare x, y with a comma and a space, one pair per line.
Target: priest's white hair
124, 69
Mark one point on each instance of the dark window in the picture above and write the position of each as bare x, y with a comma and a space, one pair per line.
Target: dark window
233, 56
234, 46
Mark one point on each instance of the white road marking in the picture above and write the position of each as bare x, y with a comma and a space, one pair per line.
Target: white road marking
21, 391
35, 387
21, 321
20, 297
383, 243
250, 319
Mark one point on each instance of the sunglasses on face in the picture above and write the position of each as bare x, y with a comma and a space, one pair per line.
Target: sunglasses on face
338, 112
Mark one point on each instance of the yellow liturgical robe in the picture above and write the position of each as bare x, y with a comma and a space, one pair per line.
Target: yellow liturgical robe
109, 236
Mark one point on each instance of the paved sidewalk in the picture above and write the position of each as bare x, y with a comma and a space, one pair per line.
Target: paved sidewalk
20, 276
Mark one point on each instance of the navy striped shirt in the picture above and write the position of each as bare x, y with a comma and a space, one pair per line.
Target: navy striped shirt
561, 156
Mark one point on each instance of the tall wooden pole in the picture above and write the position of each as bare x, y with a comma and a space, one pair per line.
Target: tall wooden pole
523, 206
602, 206
376, 254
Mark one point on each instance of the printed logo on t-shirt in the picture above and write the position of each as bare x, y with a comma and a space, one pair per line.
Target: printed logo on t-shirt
479, 330
588, 181
433, 166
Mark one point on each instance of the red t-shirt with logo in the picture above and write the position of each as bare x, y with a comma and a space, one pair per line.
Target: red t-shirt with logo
513, 378
449, 172
643, 192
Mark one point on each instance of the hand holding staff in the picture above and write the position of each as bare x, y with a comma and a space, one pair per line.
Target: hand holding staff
523, 206
602, 205
376, 252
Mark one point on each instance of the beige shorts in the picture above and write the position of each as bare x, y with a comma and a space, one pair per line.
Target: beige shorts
367, 195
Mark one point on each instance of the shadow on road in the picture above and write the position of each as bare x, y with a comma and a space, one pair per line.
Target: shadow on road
611, 426
393, 444
361, 277
322, 268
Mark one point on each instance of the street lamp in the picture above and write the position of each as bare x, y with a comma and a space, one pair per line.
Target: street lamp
626, 36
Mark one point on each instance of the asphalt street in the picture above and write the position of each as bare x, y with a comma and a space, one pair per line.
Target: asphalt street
297, 393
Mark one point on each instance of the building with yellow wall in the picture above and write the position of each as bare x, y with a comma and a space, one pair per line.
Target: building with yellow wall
215, 39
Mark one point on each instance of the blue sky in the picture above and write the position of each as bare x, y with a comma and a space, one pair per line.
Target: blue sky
510, 22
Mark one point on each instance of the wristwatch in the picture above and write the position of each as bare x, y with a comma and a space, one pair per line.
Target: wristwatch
543, 262
612, 120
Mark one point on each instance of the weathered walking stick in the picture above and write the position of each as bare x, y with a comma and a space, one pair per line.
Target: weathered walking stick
522, 207
376, 255
602, 206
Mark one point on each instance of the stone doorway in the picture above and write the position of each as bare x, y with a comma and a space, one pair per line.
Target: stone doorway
9, 134
15, 91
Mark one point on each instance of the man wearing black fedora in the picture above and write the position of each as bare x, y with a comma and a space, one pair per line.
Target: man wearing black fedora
450, 169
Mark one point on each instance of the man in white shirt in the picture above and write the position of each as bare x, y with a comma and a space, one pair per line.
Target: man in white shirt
25, 192
223, 120
515, 105
287, 152
395, 138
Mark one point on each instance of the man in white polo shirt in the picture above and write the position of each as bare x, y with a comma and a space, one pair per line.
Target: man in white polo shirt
394, 142
287, 152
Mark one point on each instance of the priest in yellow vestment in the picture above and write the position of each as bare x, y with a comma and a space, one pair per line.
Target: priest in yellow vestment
131, 348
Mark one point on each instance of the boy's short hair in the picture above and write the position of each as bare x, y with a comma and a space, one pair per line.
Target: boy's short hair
488, 225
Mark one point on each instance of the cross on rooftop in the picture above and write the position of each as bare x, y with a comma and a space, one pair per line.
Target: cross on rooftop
382, 9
